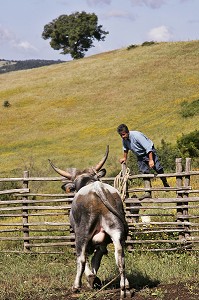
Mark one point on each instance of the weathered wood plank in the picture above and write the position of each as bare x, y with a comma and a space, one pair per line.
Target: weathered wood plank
35, 208
15, 238
37, 224
22, 201
161, 200
19, 191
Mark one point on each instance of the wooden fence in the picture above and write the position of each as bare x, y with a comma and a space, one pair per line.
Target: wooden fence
38, 221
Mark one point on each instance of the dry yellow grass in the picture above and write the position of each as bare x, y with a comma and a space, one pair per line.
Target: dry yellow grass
69, 112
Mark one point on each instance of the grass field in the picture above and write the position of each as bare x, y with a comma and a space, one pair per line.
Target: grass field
40, 277
69, 112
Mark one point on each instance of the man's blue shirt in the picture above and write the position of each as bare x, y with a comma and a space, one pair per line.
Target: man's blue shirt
138, 143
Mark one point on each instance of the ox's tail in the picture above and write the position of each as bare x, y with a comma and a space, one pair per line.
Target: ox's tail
101, 193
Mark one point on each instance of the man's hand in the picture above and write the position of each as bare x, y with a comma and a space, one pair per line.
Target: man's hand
151, 163
122, 160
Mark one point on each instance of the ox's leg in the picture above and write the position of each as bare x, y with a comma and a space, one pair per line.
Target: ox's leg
97, 257
95, 264
91, 275
120, 261
81, 262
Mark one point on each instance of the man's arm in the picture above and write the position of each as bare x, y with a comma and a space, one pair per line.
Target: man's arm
151, 161
124, 158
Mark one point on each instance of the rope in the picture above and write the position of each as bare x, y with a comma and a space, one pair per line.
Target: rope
94, 294
120, 182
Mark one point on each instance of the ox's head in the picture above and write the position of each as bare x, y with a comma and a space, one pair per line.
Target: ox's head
76, 179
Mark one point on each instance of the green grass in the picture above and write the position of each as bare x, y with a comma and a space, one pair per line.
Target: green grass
69, 112
33, 277
38, 277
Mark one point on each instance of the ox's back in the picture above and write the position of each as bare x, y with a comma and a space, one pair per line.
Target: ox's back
97, 200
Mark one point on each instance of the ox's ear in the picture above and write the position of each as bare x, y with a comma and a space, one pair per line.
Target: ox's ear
101, 173
68, 187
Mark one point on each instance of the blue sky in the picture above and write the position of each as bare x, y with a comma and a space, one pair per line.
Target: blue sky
128, 22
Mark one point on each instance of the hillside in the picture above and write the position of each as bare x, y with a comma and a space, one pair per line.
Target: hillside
69, 112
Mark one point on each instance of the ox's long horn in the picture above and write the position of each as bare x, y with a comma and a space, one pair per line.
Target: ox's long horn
102, 162
59, 171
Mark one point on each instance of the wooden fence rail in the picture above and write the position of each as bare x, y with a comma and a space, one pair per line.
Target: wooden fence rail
167, 221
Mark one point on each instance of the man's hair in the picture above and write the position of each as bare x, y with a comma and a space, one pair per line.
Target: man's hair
122, 128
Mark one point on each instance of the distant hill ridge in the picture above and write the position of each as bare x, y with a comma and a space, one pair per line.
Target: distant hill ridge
14, 65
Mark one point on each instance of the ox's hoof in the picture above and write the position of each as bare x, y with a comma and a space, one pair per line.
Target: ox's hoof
90, 280
127, 294
97, 284
75, 290
94, 282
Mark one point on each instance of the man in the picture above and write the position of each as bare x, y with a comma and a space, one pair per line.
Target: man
145, 151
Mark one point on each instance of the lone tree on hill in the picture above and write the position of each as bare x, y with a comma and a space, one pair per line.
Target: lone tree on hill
74, 33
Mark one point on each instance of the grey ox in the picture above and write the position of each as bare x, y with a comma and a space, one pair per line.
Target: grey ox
97, 218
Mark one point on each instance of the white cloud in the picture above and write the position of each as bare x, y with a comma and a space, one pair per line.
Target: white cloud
96, 2
185, 0
24, 45
8, 38
193, 21
160, 34
149, 3
6, 35
119, 14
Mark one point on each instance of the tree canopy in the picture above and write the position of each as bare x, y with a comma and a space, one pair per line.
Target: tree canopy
74, 34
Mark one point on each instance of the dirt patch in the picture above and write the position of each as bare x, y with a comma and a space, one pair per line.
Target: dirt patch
180, 291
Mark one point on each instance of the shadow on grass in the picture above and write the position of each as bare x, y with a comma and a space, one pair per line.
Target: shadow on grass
137, 281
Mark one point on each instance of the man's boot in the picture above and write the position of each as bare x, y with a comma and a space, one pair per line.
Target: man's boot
165, 182
145, 195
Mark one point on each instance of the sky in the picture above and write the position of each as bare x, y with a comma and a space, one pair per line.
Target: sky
128, 22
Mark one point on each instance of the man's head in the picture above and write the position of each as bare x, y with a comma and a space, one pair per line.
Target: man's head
123, 131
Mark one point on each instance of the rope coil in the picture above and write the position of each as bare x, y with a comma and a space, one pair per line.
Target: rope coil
120, 181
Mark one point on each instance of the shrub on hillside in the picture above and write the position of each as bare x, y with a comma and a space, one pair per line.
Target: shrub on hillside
167, 154
132, 163
189, 144
190, 109
5, 186
186, 146
131, 47
148, 43
6, 103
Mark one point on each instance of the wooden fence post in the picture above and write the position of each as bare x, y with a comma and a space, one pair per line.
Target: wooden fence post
179, 194
186, 195
25, 214
123, 174
147, 185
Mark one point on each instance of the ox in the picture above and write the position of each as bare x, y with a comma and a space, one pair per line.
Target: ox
97, 218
